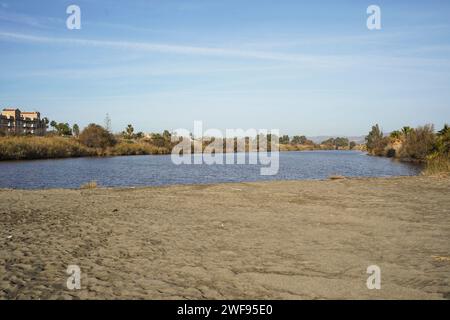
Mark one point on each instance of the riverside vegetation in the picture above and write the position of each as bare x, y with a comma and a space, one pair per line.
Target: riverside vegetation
95, 140
421, 144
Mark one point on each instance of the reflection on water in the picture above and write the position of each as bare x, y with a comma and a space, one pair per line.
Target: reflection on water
159, 170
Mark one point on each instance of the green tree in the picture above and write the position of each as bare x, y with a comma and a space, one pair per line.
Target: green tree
284, 139
63, 129
375, 141
299, 140
341, 142
129, 132
352, 145
329, 142
443, 141
76, 130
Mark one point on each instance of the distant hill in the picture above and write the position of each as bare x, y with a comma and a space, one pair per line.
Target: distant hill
319, 139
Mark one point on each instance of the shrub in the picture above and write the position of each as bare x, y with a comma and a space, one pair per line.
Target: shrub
419, 143
442, 145
130, 148
95, 136
395, 135
437, 164
336, 177
89, 185
127, 147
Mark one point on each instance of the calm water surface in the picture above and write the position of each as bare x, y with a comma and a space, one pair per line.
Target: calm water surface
159, 170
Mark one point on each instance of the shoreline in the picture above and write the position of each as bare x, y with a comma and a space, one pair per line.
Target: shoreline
156, 154
302, 239
140, 187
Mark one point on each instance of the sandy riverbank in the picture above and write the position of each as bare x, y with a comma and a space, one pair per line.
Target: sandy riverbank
290, 239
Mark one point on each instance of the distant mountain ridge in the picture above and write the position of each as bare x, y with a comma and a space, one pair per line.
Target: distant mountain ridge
319, 139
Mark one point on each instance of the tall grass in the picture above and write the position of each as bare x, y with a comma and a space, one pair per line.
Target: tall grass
137, 148
437, 164
50, 147
22, 147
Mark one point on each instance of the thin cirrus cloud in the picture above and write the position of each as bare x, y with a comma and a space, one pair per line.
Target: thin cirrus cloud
119, 72
319, 61
20, 18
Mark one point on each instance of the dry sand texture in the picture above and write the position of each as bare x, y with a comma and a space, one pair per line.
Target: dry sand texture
290, 239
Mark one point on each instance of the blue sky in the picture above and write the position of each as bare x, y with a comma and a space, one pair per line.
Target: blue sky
304, 67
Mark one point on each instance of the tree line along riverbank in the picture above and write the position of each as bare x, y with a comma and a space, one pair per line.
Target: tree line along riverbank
421, 144
95, 140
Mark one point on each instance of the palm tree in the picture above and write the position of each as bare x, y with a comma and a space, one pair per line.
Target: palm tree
406, 130
395, 134
76, 130
128, 133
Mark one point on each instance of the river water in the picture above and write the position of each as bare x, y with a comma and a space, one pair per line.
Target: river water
159, 170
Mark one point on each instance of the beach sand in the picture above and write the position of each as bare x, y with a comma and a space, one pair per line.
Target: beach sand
265, 240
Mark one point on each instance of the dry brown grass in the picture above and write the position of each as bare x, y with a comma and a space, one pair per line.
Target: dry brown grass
25, 147
89, 185
51, 147
438, 165
137, 148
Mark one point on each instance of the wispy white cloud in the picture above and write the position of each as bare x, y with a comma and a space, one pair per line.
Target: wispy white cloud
175, 49
133, 71
428, 49
299, 60
395, 34
27, 20
19, 18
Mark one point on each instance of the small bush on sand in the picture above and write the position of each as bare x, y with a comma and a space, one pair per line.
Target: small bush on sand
89, 185
336, 177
